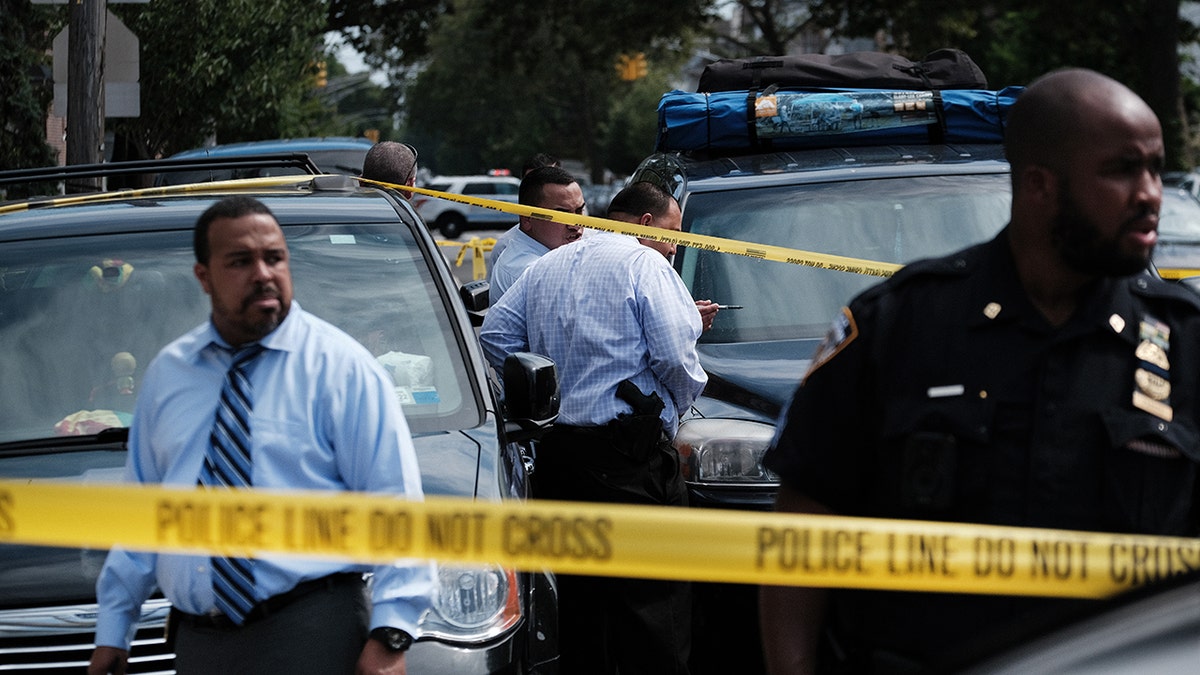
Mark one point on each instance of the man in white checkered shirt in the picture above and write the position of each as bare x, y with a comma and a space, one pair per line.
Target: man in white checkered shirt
621, 328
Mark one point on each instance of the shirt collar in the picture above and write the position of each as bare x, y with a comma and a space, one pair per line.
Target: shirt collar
998, 297
1001, 299
522, 238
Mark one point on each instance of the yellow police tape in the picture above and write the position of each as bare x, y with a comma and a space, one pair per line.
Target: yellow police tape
1178, 273
698, 241
581, 538
478, 248
161, 191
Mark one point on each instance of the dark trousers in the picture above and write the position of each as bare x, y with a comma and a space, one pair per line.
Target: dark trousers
321, 632
609, 624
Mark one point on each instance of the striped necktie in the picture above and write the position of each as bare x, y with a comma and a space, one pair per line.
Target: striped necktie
228, 464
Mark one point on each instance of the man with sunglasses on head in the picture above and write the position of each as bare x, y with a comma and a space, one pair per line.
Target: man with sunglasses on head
392, 162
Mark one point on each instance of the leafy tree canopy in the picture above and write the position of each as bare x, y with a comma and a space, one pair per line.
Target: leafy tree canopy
485, 83
236, 69
504, 80
1135, 42
25, 88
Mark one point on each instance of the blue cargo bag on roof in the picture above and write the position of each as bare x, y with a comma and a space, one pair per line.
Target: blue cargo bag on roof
787, 119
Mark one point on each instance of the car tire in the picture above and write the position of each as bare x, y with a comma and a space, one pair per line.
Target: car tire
451, 225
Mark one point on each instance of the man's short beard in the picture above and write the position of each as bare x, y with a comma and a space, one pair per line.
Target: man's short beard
1080, 243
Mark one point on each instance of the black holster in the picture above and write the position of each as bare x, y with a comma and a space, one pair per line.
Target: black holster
638, 434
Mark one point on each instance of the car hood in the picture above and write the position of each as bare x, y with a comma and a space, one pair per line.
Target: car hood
759, 376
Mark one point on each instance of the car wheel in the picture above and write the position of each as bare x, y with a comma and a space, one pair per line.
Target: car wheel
451, 225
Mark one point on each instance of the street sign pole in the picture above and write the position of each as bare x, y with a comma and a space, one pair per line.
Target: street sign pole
85, 102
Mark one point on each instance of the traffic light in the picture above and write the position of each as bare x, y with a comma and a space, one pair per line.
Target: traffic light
322, 74
631, 67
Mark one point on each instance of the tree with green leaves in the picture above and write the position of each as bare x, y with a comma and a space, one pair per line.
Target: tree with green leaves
507, 79
1135, 42
25, 88
392, 36
233, 69
769, 27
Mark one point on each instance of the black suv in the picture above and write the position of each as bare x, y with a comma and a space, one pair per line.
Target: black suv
92, 286
886, 203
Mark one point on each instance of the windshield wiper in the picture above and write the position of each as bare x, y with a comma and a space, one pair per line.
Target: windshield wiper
112, 439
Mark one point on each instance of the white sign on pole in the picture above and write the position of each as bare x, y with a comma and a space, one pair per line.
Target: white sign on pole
122, 93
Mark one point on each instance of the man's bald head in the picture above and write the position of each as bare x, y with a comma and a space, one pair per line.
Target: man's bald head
391, 162
1063, 111
1086, 154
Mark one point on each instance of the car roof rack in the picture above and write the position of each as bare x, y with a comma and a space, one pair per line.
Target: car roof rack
297, 160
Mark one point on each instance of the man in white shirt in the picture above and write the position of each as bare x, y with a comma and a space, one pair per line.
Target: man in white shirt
621, 328
549, 188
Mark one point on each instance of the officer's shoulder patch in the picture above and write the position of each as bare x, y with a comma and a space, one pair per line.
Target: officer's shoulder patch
955, 266
841, 333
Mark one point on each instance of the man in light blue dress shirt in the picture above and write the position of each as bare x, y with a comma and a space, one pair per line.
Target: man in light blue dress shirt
324, 417
549, 188
535, 162
621, 328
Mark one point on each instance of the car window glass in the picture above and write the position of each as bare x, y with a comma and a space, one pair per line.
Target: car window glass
82, 317
507, 188
69, 308
375, 284
348, 162
1179, 217
479, 189
1178, 249
885, 220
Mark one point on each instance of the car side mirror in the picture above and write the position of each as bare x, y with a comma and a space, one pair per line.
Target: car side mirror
531, 395
474, 295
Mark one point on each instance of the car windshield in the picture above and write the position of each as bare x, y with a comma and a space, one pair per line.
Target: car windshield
894, 220
1179, 217
81, 317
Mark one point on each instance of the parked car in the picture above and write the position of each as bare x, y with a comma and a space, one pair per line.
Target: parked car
1188, 180
92, 287
892, 204
1177, 255
452, 218
1155, 629
331, 154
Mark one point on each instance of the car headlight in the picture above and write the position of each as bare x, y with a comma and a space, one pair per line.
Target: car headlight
473, 603
724, 451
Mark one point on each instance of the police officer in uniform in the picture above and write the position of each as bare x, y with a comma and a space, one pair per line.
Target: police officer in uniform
1042, 379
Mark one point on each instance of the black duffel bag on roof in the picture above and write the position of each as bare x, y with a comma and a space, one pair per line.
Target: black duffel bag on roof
940, 69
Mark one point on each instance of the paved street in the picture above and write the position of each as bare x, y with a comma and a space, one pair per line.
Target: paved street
451, 248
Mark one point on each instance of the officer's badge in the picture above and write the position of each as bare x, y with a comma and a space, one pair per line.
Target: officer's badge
1152, 378
841, 333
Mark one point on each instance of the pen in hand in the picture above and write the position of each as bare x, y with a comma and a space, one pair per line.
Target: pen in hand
729, 307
